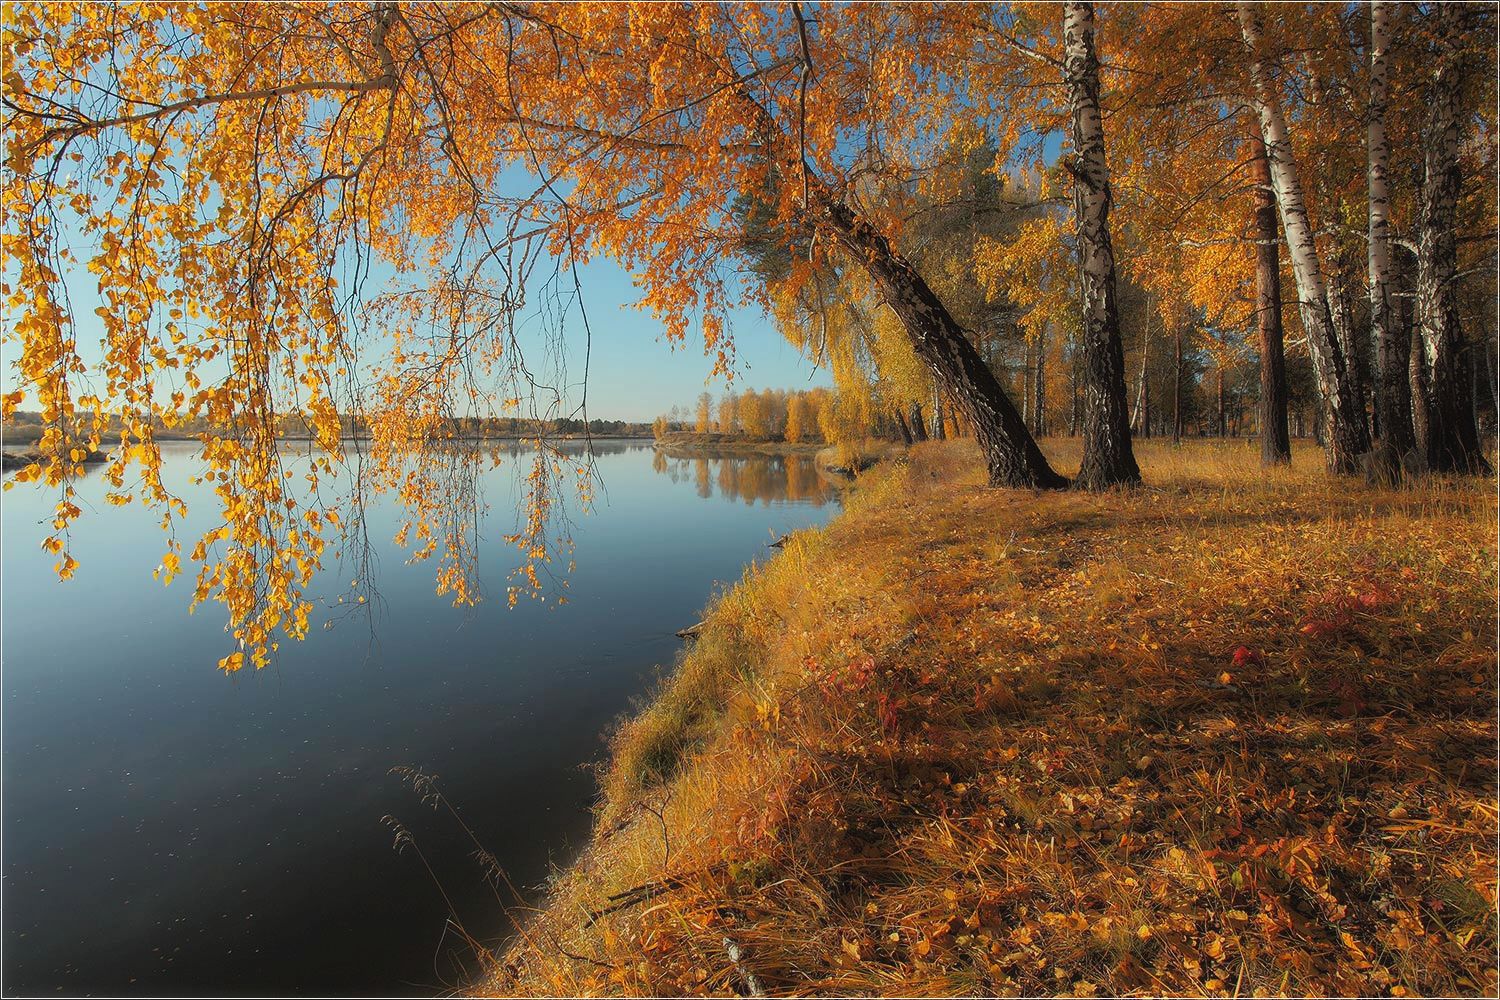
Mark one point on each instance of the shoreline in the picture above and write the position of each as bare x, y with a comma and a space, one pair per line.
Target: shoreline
684, 444
953, 742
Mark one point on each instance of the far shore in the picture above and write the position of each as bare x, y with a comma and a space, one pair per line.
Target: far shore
692, 443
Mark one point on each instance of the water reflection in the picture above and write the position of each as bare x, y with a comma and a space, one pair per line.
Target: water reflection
170, 831
751, 478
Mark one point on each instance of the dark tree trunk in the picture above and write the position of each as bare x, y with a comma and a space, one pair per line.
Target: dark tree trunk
1177, 386
918, 422
1452, 438
1417, 374
1341, 312
1108, 459
1347, 431
1011, 454
939, 430
1475, 389
1221, 426
1392, 340
1275, 442
1489, 357
901, 426
1493, 413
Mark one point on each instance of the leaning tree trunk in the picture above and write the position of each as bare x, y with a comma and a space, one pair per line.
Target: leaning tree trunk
1275, 441
1347, 436
1453, 439
1393, 385
1108, 459
1010, 452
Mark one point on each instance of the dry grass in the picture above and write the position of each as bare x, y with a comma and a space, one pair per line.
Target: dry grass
1229, 734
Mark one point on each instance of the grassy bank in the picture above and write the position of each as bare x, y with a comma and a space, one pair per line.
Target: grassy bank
1229, 734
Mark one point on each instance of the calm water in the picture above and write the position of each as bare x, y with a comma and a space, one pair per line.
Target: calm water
169, 829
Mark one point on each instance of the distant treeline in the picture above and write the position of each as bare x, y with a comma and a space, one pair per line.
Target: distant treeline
26, 427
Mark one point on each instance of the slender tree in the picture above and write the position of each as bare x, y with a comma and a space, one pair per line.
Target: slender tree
1108, 459
1275, 442
1347, 436
1039, 386
1452, 442
1177, 386
1393, 389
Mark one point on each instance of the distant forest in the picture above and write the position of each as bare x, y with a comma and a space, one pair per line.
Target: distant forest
26, 427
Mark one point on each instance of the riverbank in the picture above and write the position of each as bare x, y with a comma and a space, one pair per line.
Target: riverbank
1228, 734
11, 460
845, 462
691, 444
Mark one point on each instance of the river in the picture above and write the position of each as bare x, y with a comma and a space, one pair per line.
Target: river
170, 830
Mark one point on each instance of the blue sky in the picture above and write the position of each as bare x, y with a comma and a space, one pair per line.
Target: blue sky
636, 375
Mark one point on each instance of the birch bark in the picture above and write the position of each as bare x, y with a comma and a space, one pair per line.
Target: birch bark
1393, 385
1108, 459
1452, 438
1347, 436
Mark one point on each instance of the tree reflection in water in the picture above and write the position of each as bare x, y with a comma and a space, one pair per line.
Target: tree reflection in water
751, 478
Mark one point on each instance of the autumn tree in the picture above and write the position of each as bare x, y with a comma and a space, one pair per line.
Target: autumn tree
1107, 455
1348, 435
728, 420
351, 216
801, 418
1393, 389
1275, 440
1452, 440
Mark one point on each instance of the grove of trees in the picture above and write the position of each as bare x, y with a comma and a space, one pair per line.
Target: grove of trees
773, 415
1000, 219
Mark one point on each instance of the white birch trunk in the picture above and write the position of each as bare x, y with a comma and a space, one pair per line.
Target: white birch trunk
1347, 435
1107, 455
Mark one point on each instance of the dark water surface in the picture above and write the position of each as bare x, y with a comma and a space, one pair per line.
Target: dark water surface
169, 829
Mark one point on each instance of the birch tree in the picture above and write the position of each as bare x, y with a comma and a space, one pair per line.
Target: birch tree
1108, 459
1393, 392
1452, 440
1347, 436
1275, 441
